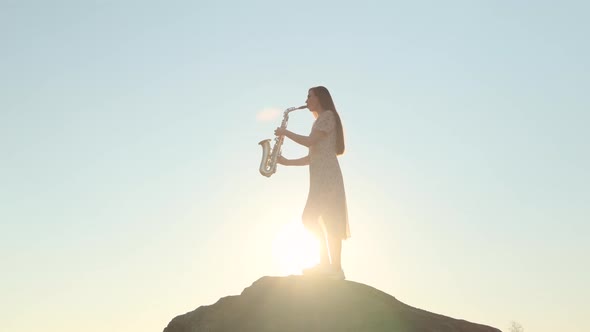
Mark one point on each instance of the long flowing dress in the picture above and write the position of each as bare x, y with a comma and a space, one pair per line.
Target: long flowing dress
326, 203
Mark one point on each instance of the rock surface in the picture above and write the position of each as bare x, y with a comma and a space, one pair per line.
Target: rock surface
307, 304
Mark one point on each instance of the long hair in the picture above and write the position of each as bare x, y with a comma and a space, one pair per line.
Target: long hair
327, 103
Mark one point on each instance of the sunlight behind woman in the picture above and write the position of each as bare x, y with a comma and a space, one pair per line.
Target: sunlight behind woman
294, 248
268, 114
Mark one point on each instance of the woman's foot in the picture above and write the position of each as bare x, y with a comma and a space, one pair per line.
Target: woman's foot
325, 270
317, 269
335, 273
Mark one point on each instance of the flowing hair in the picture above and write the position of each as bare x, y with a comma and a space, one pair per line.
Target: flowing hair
327, 103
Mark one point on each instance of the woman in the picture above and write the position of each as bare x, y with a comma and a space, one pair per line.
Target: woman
325, 212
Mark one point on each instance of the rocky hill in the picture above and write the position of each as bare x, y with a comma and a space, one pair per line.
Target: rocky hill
307, 304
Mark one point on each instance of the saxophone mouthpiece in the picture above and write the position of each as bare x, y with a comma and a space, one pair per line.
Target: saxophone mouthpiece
301, 107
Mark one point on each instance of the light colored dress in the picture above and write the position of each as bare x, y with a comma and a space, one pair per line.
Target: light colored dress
326, 203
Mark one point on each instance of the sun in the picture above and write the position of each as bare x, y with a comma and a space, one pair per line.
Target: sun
294, 248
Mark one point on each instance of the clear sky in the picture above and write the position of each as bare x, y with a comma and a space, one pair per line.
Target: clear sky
129, 185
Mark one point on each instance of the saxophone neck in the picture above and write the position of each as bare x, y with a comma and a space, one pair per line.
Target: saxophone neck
291, 109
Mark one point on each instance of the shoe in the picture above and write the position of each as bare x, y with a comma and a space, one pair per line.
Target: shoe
325, 271
336, 274
317, 269
330, 272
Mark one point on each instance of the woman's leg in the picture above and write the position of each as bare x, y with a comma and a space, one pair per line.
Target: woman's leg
335, 245
323, 251
323, 244
315, 228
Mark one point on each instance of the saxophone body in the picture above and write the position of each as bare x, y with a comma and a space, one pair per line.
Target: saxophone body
270, 156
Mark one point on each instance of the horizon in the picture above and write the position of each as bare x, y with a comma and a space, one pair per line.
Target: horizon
129, 139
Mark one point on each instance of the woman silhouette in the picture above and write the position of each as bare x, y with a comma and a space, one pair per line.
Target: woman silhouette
325, 212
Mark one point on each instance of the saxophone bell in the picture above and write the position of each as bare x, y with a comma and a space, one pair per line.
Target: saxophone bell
266, 168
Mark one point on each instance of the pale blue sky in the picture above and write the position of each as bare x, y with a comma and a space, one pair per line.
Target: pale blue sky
129, 174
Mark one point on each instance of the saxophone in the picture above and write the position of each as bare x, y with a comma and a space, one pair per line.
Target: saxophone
268, 165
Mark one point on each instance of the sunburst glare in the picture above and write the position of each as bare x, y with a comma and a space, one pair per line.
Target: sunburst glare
294, 248
267, 114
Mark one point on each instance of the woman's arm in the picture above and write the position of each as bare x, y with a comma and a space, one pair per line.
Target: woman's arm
294, 162
307, 141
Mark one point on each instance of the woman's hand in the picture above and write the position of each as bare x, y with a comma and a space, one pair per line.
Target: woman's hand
280, 131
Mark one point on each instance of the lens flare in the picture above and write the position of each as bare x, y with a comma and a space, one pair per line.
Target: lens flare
294, 248
268, 114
